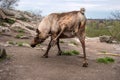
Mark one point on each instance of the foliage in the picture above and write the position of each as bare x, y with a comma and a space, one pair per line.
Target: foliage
73, 42
8, 4
21, 31
94, 32
109, 27
20, 43
70, 53
35, 12
62, 42
114, 30
18, 36
23, 19
9, 21
105, 60
103, 51
11, 42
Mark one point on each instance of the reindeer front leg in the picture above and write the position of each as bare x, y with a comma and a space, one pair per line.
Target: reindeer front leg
48, 48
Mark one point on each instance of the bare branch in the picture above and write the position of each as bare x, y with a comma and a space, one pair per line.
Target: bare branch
8, 4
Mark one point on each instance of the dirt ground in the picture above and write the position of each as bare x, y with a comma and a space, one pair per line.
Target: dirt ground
26, 63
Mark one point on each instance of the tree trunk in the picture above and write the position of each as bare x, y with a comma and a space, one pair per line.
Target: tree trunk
2, 14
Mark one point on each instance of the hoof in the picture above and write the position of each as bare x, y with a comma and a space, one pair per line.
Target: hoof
85, 65
44, 56
59, 53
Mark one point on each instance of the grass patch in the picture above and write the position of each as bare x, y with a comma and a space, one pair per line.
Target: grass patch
70, 53
74, 43
103, 51
62, 42
21, 31
9, 21
105, 60
18, 36
23, 19
20, 43
93, 32
11, 42
38, 45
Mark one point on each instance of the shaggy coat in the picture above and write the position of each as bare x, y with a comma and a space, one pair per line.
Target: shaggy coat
62, 25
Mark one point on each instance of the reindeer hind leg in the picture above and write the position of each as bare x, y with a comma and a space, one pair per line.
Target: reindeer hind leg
82, 40
59, 49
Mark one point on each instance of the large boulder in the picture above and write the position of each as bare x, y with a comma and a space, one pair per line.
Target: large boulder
4, 29
9, 12
105, 38
2, 14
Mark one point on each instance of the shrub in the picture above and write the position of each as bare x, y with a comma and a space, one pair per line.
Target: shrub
20, 43
109, 27
11, 42
70, 53
73, 42
93, 32
103, 51
23, 19
18, 36
105, 60
21, 31
61, 41
9, 21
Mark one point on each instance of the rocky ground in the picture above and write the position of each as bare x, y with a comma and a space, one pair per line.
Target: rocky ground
25, 63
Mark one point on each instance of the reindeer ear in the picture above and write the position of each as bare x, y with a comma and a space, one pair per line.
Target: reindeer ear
37, 31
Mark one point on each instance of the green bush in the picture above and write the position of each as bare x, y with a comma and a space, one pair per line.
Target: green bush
115, 30
105, 60
61, 41
10, 21
73, 42
93, 32
103, 51
70, 53
20, 43
110, 28
21, 31
11, 42
23, 19
18, 36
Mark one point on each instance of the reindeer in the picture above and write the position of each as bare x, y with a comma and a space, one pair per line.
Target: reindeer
62, 25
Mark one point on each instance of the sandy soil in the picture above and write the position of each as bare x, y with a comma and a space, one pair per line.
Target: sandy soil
25, 63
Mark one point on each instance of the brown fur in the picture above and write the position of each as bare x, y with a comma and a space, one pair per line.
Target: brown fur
62, 25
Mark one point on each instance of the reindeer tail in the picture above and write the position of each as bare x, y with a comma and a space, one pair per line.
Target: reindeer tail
82, 10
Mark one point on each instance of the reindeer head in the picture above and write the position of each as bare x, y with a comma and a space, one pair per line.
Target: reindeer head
39, 38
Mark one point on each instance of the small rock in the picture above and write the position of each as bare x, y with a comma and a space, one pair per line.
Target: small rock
70, 44
1, 71
7, 45
24, 37
30, 27
4, 29
105, 38
26, 44
43, 48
